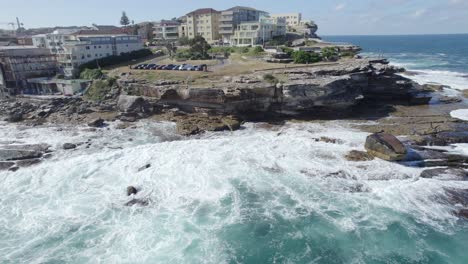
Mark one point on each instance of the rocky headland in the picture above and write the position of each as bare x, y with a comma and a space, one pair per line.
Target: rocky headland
403, 123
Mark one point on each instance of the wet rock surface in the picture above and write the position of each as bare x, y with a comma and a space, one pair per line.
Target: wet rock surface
195, 124
356, 155
445, 174
15, 156
385, 146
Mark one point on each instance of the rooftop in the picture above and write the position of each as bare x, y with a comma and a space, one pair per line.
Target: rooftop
244, 8
203, 11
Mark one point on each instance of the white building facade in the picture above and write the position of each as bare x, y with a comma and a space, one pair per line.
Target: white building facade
75, 49
257, 33
292, 19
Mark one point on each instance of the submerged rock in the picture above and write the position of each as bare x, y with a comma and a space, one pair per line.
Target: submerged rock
131, 190
28, 162
68, 146
144, 167
140, 202
385, 146
356, 155
5, 165
99, 122
15, 154
445, 174
14, 117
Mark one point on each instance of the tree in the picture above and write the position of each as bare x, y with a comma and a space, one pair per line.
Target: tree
124, 21
136, 28
199, 47
171, 49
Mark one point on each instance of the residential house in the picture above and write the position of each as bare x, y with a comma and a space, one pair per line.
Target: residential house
166, 30
204, 22
257, 33
232, 17
74, 48
20, 63
292, 19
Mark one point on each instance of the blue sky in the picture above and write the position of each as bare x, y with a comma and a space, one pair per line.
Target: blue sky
334, 17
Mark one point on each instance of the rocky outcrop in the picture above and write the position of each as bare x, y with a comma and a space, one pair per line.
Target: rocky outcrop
385, 146
14, 156
332, 87
445, 174
195, 124
356, 155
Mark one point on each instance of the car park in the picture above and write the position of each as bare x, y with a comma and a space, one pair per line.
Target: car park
154, 67
141, 66
179, 67
161, 67
187, 67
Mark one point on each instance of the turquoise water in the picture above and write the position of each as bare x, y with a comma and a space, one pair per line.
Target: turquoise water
258, 195
437, 58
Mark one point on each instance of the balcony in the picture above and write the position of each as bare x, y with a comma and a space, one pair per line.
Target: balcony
226, 30
226, 19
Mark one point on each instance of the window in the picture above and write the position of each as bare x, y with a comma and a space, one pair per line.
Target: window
99, 47
94, 47
95, 55
89, 55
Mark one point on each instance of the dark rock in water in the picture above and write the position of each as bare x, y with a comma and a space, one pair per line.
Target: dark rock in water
14, 117
15, 168
124, 125
144, 167
450, 100
356, 155
5, 165
96, 123
126, 118
13, 154
139, 202
458, 196
133, 104
434, 87
330, 140
67, 146
28, 162
445, 174
462, 213
195, 124
385, 146
131, 190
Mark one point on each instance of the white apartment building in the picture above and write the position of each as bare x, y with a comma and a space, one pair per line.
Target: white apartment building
166, 30
203, 22
292, 19
257, 33
232, 17
77, 48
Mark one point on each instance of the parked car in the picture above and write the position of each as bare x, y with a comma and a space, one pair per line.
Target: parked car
161, 67
149, 66
154, 67
141, 66
179, 68
200, 67
169, 67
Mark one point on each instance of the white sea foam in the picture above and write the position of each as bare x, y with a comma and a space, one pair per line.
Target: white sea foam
455, 80
70, 208
461, 114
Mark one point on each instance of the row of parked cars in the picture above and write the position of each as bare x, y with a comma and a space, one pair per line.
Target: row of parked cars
171, 67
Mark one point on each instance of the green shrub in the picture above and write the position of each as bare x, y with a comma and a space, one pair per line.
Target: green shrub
91, 74
99, 89
258, 49
329, 52
304, 57
288, 51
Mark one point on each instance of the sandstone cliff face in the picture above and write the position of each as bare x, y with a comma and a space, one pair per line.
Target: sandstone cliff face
333, 87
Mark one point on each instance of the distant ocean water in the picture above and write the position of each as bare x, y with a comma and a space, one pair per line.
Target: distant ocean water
437, 58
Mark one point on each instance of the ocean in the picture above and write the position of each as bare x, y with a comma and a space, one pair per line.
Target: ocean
262, 194
437, 58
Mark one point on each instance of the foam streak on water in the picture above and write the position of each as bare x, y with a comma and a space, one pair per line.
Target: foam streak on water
253, 196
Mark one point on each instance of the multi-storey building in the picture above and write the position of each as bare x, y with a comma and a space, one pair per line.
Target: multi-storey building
203, 22
292, 19
257, 33
166, 30
73, 49
232, 17
20, 63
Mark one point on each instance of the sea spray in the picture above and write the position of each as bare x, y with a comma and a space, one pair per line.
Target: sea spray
257, 195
